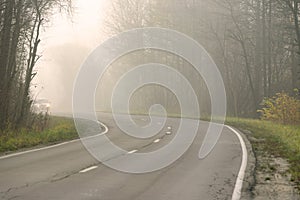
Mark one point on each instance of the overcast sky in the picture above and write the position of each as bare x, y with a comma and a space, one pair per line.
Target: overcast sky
65, 45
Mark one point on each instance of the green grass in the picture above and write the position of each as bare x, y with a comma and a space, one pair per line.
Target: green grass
276, 139
59, 129
279, 140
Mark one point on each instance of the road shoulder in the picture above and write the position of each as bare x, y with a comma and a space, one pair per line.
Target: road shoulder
267, 176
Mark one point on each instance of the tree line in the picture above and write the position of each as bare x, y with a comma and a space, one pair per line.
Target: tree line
255, 43
21, 23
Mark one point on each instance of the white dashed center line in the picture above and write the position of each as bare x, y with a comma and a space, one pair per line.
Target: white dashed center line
88, 169
133, 151
156, 141
169, 127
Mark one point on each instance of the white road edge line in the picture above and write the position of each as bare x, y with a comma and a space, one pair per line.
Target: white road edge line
55, 145
239, 181
236, 195
88, 169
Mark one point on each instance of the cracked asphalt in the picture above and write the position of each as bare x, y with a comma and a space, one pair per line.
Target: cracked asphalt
54, 173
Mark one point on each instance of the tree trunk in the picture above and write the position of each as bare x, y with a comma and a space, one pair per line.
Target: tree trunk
4, 55
296, 70
35, 40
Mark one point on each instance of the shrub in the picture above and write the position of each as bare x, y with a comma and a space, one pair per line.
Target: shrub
281, 108
58, 130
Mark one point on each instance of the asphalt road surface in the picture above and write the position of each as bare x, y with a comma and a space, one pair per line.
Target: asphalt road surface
68, 171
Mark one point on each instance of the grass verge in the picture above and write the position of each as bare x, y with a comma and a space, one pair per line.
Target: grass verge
60, 129
276, 139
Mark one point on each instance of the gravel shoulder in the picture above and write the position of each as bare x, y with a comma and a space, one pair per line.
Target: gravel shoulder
267, 176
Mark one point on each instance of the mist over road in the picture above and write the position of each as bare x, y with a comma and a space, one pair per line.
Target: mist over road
68, 171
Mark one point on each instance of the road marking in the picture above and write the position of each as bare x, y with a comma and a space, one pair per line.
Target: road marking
88, 169
55, 145
239, 181
236, 195
169, 127
156, 141
168, 133
133, 151
34, 150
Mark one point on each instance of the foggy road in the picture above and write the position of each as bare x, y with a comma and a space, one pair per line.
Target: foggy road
68, 171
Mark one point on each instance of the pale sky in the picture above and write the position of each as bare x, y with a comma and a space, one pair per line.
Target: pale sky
65, 45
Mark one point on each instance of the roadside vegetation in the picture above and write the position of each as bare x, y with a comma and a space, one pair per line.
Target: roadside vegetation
58, 129
278, 130
21, 26
276, 139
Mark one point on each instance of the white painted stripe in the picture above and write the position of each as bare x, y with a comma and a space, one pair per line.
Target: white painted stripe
236, 195
133, 151
169, 127
168, 133
34, 150
88, 169
156, 141
56, 145
103, 133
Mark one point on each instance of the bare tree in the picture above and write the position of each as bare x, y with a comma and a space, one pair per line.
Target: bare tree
254, 42
20, 26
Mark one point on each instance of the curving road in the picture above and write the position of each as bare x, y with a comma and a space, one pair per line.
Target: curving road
68, 171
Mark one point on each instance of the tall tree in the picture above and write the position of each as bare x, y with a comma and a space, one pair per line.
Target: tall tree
20, 26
